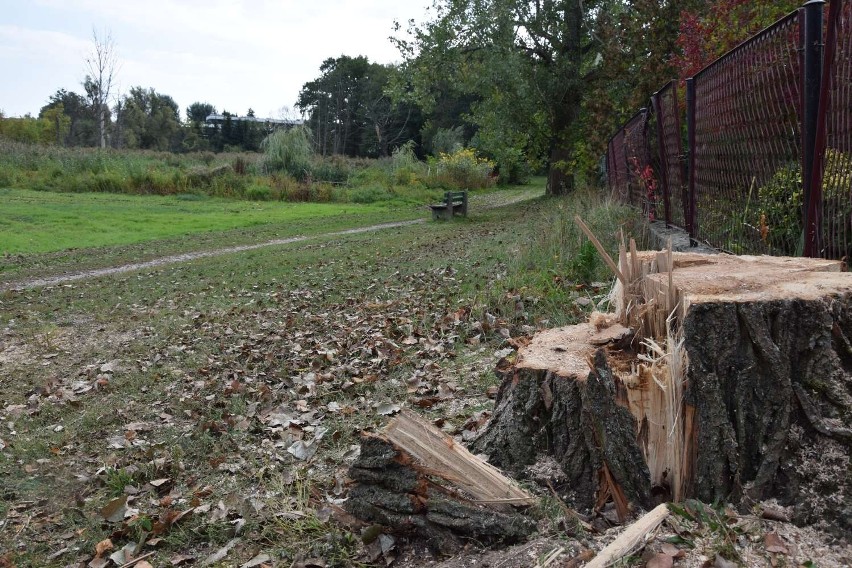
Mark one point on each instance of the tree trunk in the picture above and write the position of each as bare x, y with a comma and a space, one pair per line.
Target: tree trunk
560, 180
743, 390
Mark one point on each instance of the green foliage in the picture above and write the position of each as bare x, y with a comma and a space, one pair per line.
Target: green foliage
406, 168
447, 140
837, 195
148, 120
585, 266
288, 150
350, 112
464, 169
780, 206
539, 55
47, 129
257, 192
715, 525
780, 210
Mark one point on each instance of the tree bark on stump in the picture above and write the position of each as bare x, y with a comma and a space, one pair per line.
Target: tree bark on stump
760, 348
415, 479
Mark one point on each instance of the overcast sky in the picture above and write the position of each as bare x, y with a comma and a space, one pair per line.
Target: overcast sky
233, 54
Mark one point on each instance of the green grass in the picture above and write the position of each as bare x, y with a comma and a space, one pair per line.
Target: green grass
185, 334
36, 222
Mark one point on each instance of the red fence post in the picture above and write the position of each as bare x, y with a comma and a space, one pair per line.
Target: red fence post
811, 83
661, 142
691, 221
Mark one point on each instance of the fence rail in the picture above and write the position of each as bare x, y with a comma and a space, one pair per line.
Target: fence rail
769, 143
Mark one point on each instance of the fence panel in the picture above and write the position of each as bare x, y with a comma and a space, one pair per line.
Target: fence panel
617, 172
672, 171
638, 160
836, 112
747, 155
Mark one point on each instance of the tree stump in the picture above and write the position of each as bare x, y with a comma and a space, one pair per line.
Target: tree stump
717, 377
414, 478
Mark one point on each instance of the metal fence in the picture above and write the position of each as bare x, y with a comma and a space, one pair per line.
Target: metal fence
630, 156
769, 142
746, 156
831, 190
672, 165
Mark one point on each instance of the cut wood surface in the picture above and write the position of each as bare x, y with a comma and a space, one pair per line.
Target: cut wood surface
631, 539
442, 456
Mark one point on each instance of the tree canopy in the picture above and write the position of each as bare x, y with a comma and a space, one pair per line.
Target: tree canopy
350, 112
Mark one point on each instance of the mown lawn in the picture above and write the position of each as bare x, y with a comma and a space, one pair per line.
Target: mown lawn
45, 233
41, 221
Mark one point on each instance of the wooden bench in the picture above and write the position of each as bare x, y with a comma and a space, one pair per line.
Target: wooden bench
455, 202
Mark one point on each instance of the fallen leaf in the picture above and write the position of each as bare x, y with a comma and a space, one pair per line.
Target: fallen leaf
124, 555
115, 509
305, 450
143, 564
179, 559
721, 562
103, 546
221, 553
257, 561
660, 560
774, 543
387, 408
672, 550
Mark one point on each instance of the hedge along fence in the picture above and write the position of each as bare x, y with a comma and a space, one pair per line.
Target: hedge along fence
767, 166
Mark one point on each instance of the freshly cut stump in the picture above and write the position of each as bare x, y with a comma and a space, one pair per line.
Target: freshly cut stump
414, 478
718, 377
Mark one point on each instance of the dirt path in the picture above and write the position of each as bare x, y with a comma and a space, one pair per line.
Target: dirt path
184, 257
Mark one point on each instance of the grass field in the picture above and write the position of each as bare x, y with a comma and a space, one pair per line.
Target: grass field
146, 408
40, 221
59, 224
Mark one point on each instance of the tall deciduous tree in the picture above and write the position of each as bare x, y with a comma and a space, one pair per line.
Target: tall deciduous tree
150, 120
349, 111
528, 61
82, 128
101, 67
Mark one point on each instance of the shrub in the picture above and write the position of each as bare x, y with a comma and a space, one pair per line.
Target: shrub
405, 167
257, 192
332, 169
781, 202
463, 169
780, 209
288, 150
370, 194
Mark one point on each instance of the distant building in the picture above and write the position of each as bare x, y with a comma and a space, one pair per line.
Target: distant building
268, 123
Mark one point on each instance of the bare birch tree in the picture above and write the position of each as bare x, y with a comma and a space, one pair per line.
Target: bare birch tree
101, 67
